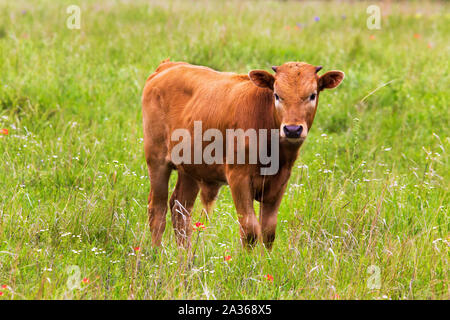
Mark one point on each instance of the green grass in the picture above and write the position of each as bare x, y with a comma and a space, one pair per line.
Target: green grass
370, 186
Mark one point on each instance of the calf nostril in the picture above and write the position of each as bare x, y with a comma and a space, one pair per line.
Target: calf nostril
293, 131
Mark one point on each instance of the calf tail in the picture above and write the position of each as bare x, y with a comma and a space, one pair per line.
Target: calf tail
164, 65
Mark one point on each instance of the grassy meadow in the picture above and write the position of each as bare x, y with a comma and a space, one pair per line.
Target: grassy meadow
366, 211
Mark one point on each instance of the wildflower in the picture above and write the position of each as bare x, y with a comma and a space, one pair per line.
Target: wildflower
1, 293
316, 19
199, 226
430, 45
4, 131
372, 37
85, 280
269, 277
4, 286
137, 249
416, 35
227, 258
336, 297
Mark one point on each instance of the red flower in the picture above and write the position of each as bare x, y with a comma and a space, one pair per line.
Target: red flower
4, 286
1, 293
269, 277
4, 131
227, 258
85, 280
137, 249
336, 296
199, 226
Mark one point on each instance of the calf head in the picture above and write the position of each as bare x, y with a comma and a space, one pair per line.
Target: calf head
296, 87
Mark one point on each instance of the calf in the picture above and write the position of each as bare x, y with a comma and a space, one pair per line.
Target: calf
183, 96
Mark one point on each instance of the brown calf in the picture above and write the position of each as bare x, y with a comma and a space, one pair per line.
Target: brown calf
177, 94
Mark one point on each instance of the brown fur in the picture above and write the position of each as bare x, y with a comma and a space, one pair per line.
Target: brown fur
177, 94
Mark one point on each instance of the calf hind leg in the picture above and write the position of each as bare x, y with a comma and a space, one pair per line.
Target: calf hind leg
157, 201
155, 131
181, 204
208, 196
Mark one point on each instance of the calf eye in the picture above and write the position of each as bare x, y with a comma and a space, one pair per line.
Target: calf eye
312, 97
276, 97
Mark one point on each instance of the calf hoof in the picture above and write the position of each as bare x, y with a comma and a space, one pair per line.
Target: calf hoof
249, 241
268, 240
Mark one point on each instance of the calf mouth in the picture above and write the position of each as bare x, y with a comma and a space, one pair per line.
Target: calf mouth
298, 140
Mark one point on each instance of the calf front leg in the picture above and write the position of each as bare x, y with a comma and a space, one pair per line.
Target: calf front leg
241, 190
268, 217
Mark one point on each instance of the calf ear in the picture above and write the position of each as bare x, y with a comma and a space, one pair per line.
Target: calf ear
331, 79
262, 78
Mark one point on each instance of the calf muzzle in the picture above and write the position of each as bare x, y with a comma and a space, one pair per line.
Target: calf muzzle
293, 132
